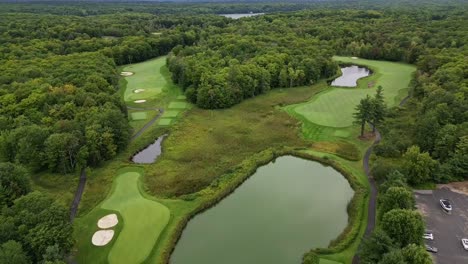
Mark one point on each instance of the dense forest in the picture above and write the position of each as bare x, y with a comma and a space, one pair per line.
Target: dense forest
60, 110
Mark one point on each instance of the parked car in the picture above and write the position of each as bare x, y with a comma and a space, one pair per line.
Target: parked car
465, 243
431, 249
446, 205
428, 236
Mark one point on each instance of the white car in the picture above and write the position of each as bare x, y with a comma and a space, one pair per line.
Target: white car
465, 243
446, 205
428, 236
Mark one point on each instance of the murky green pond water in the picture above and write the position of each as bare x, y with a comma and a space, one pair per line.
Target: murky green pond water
286, 208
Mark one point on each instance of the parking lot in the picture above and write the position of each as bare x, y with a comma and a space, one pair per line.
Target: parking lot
448, 229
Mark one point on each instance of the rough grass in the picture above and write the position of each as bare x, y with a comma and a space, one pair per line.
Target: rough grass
147, 75
334, 107
209, 143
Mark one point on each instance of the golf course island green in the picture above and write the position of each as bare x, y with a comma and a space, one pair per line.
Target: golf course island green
335, 106
286, 208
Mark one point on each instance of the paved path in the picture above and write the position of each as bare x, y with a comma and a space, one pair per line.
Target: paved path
82, 182
78, 194
371, 212
147, 125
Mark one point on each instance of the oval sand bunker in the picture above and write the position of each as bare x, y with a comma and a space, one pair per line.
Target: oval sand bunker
140, 101
126, 73
108, 221
139, 90
102, 237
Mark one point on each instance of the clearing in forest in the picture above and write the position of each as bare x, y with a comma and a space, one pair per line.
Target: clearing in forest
335, 106
143, 220
147, 80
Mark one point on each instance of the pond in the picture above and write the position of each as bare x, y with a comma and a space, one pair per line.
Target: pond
350, 76
150, 153
237, 16
286, 208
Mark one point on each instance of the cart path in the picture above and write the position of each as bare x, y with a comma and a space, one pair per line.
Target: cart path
82, 181
371, 212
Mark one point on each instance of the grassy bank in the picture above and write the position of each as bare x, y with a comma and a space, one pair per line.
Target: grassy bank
334, 107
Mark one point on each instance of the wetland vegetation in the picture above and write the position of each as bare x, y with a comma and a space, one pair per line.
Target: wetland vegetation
231, 95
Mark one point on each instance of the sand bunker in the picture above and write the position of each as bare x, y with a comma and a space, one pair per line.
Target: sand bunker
354, 58
108, 221
126, 73
140, 101
102, 237
139, 90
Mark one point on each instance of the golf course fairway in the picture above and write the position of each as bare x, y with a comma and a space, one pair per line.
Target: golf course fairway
143, 220
335, 107
147, 78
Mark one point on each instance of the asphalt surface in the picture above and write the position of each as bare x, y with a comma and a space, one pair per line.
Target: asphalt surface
448, 228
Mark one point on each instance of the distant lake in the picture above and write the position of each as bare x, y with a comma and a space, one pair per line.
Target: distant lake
237, 16
350, 76
286, 208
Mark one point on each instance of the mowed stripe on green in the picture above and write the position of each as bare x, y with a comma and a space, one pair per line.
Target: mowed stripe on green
139, 115
147, 75
143, 220
334, 108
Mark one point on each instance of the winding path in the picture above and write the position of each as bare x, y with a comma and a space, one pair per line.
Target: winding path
82, 182
371, 212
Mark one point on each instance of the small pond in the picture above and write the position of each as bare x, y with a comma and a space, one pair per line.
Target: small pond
350, 76
150, 153
286, 208
237, 16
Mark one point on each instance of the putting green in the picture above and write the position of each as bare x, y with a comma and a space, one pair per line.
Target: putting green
335, 107
139, 115
170, 114
143, 219
164, 121
147, 75
178, 105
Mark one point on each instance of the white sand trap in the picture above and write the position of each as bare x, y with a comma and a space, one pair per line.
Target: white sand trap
126, 73
102, 237
108, 221
140, 101
354, 58
139, 90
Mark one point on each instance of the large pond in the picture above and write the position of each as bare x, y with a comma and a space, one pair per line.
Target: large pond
237, 16
286, 208
350, 76
150, 153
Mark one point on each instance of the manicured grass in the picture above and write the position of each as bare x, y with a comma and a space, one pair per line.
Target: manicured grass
170, 113
334, 107
181, 97
164, 121
178, 105
142, 222
139, 115
326, 261
147, 76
